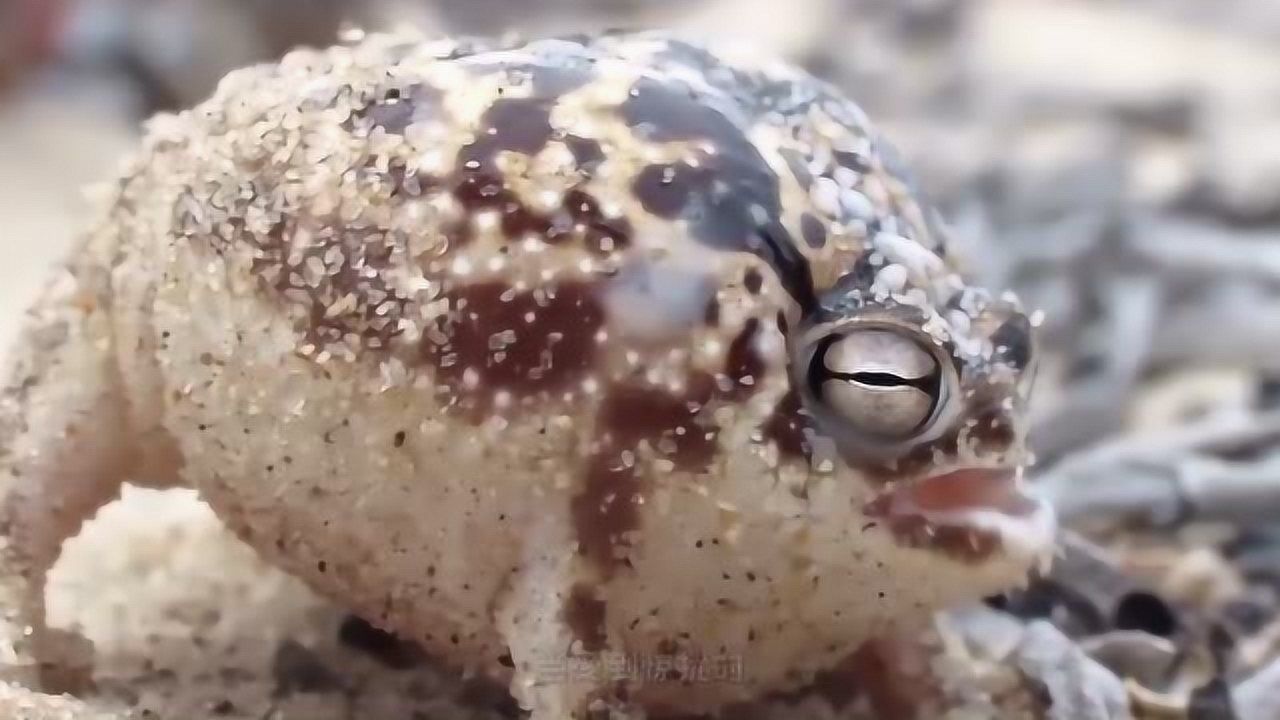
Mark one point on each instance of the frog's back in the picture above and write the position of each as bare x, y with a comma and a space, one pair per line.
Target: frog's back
369, 181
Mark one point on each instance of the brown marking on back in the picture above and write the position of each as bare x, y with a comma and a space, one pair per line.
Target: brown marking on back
520, 125
398, 108
743, 364
523, 125
711, 314
343, 261
631, 414
786, 427
585, 614
602, 234
665, 190
606, 508
525, 343
485, 190
678, 428
581, 217
729, 197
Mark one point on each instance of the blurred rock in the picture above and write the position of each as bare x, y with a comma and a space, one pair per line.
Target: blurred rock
1241, 168
1258, 698
1081, 689
1077, 687
1129, 653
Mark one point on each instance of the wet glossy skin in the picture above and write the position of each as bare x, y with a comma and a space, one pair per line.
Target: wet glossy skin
512, 350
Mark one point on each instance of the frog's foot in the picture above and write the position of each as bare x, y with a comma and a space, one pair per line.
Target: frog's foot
65, 449
32, 654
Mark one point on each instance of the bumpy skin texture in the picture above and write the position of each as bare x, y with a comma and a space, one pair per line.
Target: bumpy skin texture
502, 347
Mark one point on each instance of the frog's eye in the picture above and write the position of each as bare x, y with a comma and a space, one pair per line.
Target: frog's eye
882, 383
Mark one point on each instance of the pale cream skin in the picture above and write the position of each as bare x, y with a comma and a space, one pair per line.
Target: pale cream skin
538, 351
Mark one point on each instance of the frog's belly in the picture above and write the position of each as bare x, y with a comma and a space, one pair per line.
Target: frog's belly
727, 575
413, 520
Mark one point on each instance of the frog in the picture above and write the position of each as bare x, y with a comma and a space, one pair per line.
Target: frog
630, 370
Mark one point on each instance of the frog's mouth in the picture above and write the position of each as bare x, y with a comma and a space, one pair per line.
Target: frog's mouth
970, 514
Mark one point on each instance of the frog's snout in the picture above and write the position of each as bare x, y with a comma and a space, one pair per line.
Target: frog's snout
971, 514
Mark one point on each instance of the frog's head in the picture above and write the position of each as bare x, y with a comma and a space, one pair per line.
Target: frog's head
920, 382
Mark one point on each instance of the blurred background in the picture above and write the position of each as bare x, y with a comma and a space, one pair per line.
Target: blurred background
1117, 162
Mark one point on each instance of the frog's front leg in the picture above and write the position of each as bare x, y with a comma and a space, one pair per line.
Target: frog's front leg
533, 616
65, 450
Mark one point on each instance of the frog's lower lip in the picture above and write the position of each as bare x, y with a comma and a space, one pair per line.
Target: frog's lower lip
970, 514
997, 489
